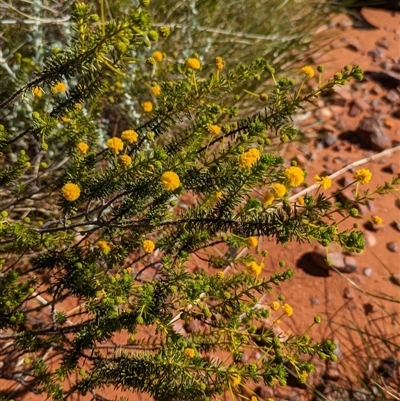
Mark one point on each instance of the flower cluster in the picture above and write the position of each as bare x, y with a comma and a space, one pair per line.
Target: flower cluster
158, 56
170, 181
83, 147
254, 269
147, 106
325, 181
129, 136
103, 245
278, 190
71, 192
193, 63
115, 144
252, 242
219, 63
148, 246
308, 71
363, 176
249, 158
294, 176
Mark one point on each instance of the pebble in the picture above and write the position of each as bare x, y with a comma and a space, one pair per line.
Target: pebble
395, 225
371, 134
383, 42
397, 203
392, 246
329, 139
368, 308
264, 392
392, 96
370, 239
314, 301
367, 272
392, 168
350, 264
332, 372
395, 278
347, 293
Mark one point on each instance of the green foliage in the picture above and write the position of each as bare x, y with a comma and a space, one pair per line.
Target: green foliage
94, 218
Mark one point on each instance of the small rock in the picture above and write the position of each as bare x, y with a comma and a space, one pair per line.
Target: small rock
324, 113
353, 44
376, 90
370, 239
350, 264
367, 272
332, 372
329, 139
376, 53
395, 225
371, 134
395, 278
397, 203
369, 225
396, 112
347, 293
357, 107
383, 42
264, 392
392, 246
314, 301
392, 96
392, 168
368, 308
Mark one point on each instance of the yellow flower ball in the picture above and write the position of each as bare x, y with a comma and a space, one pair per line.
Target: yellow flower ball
363, 175
268, 199
325, 181
189, 352
308, 71
129, 135
77, 106
252, 242
115, 144
83, 147
155, 89
275, 305
214, 129
294, 176
254, 269
287, 309
170, 181
70, 192
148, 246
279, 190
103, 245
249, 158
235, 380
301, 201
220, 274
147, 106
219, 195
376, 220
59, 87
158, 56
37, 92
125, 160
219, 63
193, 63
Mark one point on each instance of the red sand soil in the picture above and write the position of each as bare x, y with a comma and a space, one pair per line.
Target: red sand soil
355, 299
